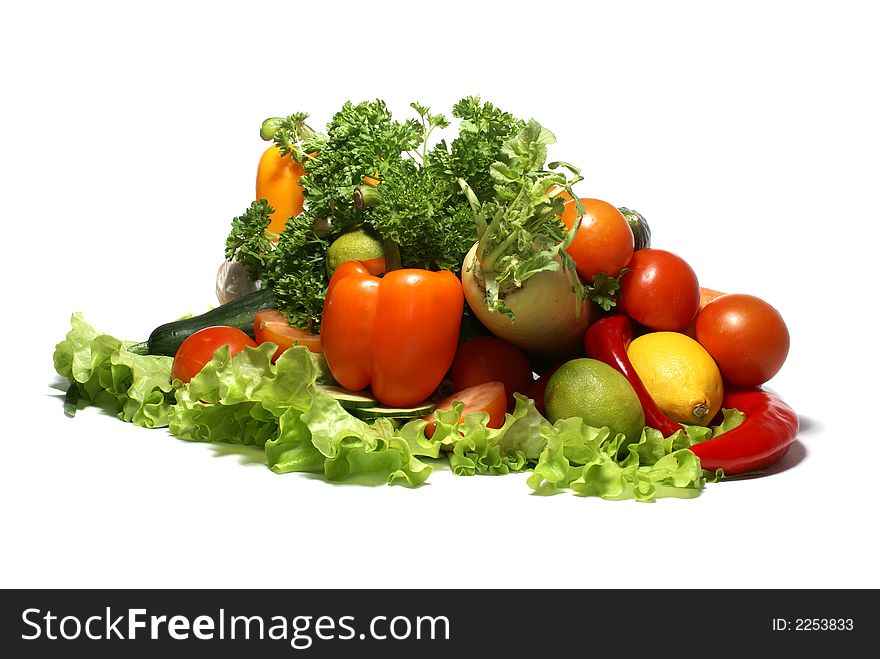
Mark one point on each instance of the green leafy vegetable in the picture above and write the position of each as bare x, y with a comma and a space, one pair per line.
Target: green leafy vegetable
290, 135
519, 221
406, 192
478, 449
586, 460
293, 267
104, 372
299, 277
248, 400
481, 134
362, 140
519, 227
428, 220
732, 419
418, 203
604, 289
250, 242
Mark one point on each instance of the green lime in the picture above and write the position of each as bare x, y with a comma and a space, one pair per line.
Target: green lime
598, 394
357, 245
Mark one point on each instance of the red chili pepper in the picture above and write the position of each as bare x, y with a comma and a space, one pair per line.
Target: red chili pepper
607, 340
767, 433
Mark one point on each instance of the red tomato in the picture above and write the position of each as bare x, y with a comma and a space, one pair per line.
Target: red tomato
706, 296
271, 325
198, 349
535, 390
487, 397
660, 291
604, 242
487, 359
745, 336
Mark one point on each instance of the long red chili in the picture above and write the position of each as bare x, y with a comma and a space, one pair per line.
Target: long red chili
607, 340
769, 429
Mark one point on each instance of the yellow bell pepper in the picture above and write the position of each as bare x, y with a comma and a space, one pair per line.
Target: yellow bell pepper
278, 183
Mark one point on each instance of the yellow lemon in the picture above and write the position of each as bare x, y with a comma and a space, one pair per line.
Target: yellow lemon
680, 375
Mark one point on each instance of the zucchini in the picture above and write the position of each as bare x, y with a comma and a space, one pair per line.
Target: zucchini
350, 399
166, 339
369, 413
639, 225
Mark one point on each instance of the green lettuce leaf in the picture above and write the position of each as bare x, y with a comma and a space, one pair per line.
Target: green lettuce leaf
479, 450
732, 419
245, 399
588, 461
103, 371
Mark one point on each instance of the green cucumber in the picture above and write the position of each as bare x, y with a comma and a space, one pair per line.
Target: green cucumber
639, 225
166, 339
369, 413
350, 399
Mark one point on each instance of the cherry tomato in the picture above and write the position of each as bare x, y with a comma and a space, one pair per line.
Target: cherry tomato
198, 349
488, 397
271, 325
488, 358
745, 336
660, 291
604, 242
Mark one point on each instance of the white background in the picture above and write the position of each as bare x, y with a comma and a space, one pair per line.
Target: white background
747, 134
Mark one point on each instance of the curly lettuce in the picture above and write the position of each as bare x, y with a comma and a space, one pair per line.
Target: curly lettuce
102, 371
245, 399
248, 400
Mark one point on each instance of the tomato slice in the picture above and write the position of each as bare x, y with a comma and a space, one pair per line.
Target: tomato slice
488, 397
271, 325
198, 349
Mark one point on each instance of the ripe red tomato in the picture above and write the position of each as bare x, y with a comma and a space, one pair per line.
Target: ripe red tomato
487, 359
198, 349
745, 336
661, 290
535, 390
604, 242
488, 397
706, 296
271, 325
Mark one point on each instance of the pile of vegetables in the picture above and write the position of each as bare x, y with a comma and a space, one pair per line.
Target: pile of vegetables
390, 299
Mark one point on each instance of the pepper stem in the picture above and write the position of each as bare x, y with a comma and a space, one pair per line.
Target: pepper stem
392, 255
700, 411
366, 196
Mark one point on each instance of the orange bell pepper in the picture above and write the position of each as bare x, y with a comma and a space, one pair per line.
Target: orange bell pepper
397, 335
278, 183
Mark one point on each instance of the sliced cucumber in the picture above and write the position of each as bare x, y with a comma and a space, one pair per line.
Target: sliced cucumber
393, 412
350, 399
